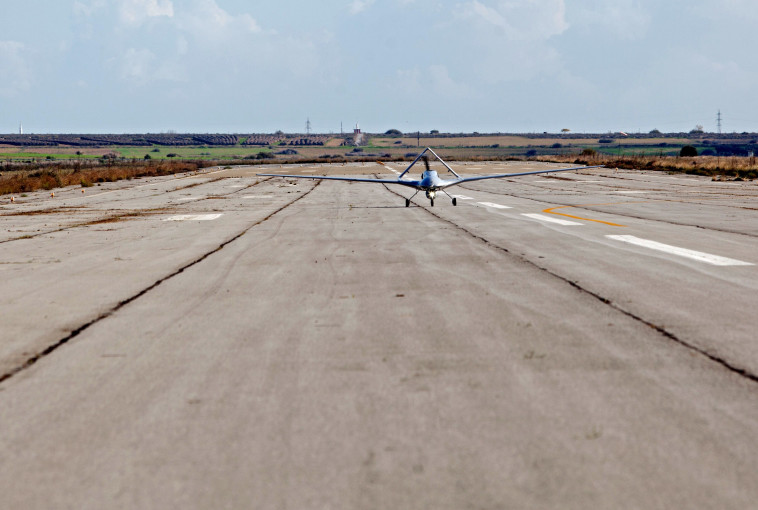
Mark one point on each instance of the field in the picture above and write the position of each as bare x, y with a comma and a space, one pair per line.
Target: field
509, 141
299, 147
49, 161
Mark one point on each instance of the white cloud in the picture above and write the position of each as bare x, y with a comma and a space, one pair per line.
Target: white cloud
360, 5
88, 9
519, 20
16, 73
443, 84
434, 79
622, 19
205, 19
182, 46
136, 12
136, 65
142, 67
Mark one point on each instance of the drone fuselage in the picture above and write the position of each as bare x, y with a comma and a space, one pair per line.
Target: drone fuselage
430, 182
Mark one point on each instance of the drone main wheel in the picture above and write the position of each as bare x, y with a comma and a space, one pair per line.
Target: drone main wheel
455, 202
407, 202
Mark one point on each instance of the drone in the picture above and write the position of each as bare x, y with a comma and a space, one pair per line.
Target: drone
430, 183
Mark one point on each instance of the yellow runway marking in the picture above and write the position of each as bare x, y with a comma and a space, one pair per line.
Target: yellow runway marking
552, 209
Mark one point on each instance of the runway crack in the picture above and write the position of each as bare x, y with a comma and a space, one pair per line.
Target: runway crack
130, 214
76, 332
743, 372
616, 213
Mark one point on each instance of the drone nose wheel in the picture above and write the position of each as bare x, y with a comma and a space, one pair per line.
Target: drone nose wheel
455, 201
432, 201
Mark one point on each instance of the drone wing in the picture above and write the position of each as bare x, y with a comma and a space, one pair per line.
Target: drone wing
501, 176
411, 184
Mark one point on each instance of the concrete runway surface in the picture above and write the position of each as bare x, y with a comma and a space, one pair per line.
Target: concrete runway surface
220, 340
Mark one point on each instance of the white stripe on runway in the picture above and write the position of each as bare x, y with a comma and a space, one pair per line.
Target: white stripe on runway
548, 219
193, 217
462, 197
495, 206
681, 252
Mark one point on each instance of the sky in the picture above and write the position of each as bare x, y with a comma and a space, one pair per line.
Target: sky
234, 66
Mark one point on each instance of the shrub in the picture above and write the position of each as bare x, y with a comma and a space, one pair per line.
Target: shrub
393, 132
688, 151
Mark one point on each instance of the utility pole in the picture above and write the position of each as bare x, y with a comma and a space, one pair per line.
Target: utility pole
718, 121
308, 126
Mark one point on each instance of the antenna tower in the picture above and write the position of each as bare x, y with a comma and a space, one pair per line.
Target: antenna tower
718, 121
308, 126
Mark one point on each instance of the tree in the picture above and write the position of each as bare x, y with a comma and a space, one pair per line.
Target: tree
393, 132
688, 151
434, 132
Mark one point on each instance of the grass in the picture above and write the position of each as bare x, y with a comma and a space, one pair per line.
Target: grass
711, 166
44, 155
193, 152
47, 178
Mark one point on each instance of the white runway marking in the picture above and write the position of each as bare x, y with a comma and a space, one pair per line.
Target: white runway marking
681, 252
194, 217
237, 186
462, 197
256, 196
496, 206
190, 198
630, 192
548, 219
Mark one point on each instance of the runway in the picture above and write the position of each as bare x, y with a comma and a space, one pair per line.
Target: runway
581, 340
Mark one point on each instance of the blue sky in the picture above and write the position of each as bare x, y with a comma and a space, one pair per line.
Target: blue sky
123, 66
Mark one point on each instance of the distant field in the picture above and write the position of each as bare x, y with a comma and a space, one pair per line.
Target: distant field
513, 141
162, 152
44, 155
378, 146
202, 152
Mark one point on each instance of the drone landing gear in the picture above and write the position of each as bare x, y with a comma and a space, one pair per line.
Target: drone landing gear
432, 201
408, 200
455, 200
